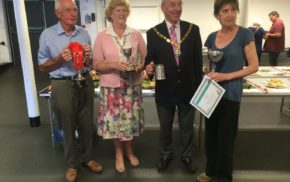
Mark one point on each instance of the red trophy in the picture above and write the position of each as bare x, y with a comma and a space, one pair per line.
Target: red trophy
78, 55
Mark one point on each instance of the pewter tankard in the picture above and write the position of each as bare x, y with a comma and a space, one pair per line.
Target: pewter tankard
159, 72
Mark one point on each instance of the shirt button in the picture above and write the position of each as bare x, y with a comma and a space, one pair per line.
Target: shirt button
178, 81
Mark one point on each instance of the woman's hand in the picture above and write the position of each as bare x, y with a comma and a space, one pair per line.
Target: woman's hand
120, 66
219, 77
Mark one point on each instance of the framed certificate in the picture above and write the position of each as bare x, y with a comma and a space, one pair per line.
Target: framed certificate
207, 96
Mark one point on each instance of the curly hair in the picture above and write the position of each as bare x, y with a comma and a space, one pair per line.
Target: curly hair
113, 4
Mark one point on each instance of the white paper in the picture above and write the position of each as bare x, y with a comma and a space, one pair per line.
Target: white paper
207, 96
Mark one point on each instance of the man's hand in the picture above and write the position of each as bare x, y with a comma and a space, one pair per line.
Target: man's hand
66, 54
266, 36
87, 50
150, 69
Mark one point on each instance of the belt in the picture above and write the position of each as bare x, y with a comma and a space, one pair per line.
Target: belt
64, 78
69, 77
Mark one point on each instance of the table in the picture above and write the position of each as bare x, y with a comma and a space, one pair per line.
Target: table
56, 134
258, 81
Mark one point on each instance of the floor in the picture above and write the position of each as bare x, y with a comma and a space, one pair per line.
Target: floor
262, 148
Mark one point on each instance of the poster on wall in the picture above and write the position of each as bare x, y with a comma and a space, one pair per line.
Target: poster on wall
5, 56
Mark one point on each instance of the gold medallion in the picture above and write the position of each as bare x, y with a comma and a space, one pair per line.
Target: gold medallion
177, 52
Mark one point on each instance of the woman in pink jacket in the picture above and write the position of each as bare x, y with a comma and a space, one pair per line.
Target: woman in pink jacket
119, 53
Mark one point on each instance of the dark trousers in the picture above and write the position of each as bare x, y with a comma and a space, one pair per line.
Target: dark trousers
259, 53
273, 58
73, 107
220, 134
185, 119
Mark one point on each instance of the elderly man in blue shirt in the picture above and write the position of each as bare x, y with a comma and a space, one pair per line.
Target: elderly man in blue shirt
72, 105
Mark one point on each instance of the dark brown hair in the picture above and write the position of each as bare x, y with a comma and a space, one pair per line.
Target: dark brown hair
274, 13
219, 3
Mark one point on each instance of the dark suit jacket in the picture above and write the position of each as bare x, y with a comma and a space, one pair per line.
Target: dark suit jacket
181, 82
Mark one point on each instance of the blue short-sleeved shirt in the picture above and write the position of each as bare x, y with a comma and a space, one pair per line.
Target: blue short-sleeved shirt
53, 40
233, 60
258, 35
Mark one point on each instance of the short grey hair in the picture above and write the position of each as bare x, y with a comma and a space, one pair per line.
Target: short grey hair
164, 1
57, 4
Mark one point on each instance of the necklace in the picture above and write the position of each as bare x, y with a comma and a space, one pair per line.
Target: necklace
123, 43
175, 44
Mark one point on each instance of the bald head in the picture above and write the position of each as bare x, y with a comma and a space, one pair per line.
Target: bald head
58, 3
172, 10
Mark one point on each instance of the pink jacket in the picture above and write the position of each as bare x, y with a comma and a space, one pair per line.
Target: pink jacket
106, 50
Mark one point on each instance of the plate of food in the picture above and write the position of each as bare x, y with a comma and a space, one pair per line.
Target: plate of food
246, 85
147, 84
276, 83
286, 69
279, 74
265, 70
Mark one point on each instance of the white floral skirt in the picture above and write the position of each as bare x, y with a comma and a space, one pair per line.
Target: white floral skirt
121, 114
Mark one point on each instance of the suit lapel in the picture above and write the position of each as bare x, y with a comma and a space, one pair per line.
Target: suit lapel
162, 28
183, 30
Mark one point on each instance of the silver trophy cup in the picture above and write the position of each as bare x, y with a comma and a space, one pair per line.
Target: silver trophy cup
159, 72
214, 57
80, 81
127, 53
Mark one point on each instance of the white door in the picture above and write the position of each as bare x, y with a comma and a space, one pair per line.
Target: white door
5, 56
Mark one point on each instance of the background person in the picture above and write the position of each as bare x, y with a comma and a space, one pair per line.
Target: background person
72, 106
275, 38
237, 44
121, 115
177, 45
259, 33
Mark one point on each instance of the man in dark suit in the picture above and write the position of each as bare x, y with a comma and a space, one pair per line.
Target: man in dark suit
177, 45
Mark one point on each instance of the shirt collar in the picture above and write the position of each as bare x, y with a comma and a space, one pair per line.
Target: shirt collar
168, 24
110, 31
61, 31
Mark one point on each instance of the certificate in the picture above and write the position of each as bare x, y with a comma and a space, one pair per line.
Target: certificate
207, 96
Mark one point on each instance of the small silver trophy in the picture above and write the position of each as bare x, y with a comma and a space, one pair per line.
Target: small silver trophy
214, 57
80, 81
127, 52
